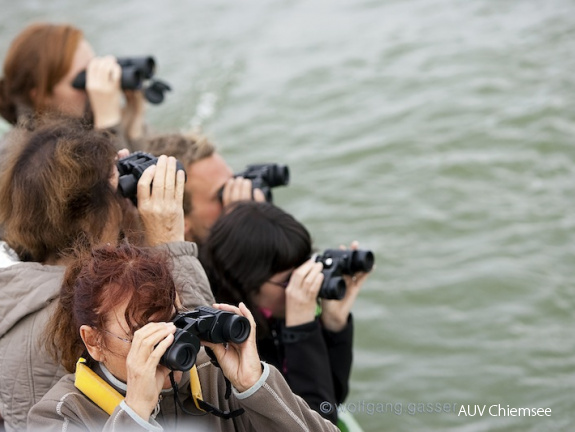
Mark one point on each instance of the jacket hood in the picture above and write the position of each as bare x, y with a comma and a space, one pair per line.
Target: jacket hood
26, 288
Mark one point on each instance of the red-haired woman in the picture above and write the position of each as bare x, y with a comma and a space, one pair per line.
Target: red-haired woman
115, 308
41, 64
58, 189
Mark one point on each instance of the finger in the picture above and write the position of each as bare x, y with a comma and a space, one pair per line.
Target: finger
144, 183
303, 269
160, 348
180, 186
247, 313
316, 284
152, 329
115, 73
160, 177
170, 182
104, 69
123, 153
218, 349
245, 190
354, 245
146, 338
227, 307
227, 191
311, 284
259, 195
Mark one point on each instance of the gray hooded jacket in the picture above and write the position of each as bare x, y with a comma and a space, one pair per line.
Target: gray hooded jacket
27, 294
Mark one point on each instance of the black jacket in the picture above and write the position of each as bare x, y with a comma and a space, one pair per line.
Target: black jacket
315, 362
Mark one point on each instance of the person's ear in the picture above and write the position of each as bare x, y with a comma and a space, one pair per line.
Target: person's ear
91, 338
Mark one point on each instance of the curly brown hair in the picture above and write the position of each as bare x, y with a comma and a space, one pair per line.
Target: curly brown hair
55, 189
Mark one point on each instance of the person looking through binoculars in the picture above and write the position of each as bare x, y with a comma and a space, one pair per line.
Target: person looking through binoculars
39, 71
116, 309
258, 254
58, 189
211, 184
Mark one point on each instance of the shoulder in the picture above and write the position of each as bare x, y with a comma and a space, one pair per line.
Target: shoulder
182, 248
61, 396
64, 390
64, 405
27, 288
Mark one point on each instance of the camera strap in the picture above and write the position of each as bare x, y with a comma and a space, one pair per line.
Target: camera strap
200, 403
95, 388
107, 398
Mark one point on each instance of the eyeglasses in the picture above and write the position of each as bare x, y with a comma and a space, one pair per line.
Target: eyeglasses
121, 338
283, 284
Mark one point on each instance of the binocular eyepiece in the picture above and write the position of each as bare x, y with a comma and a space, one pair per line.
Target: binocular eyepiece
131, 169
336, 263
135, 70
203, 323
264, 177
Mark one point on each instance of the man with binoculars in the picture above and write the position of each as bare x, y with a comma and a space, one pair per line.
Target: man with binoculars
211, 183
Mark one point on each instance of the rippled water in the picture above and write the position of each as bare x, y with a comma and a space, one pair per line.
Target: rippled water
438, 133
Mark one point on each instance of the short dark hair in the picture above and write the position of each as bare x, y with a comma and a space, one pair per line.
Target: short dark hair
246, 246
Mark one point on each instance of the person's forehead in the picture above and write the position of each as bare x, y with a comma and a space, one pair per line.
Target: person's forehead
209, 172
84, 53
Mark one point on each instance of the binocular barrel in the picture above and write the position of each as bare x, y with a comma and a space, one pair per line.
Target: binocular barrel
336, 263
146, 66
351, 261
203, 323
131, 169
134, 71
263, 177
272, 174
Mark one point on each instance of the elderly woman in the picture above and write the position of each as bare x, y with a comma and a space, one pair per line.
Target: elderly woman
58, 190
115, 308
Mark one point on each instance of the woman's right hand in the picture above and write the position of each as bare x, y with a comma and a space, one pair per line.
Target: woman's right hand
301, 293
240, 363
145, 376
160, 202
103, 77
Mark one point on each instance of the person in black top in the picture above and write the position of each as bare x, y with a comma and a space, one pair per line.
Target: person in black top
258, 254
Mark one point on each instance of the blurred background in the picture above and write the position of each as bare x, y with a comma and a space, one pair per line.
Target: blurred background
438, 133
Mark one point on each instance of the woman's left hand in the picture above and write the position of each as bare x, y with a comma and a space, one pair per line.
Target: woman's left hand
240, 363
160, 201
335, 313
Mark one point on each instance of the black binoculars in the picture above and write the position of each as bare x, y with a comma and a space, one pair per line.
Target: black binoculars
264, 177
203, 323
131, 169
336, 263
135, 70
